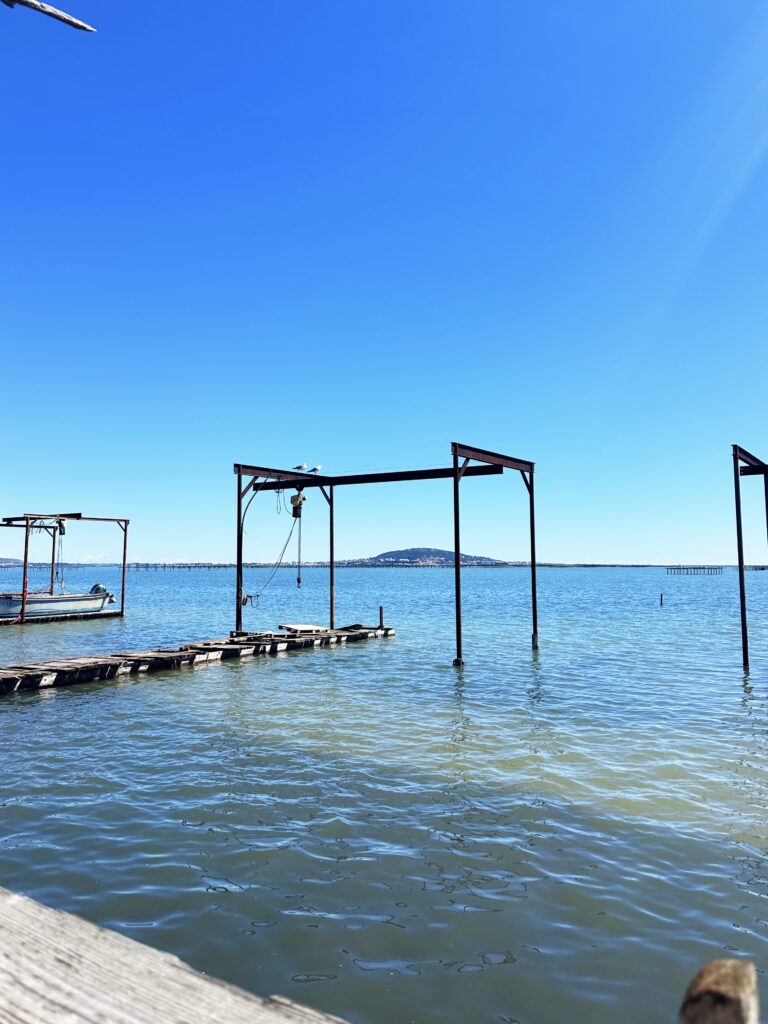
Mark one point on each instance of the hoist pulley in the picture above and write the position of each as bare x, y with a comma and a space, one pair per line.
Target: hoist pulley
297, 500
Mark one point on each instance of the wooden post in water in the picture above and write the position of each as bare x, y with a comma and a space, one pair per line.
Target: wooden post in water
723, 992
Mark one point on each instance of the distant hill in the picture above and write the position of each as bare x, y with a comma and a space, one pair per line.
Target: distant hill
426, 556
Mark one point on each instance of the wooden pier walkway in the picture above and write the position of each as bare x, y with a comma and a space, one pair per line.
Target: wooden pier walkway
694, 570
57, 967
68, 671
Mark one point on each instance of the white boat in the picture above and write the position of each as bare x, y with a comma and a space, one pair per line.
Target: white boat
41, 605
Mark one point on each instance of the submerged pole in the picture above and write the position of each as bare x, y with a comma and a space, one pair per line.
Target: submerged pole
239, 572
534, 601
53, 557
332, 556
24, 579
125, 566
740, 547
458, 661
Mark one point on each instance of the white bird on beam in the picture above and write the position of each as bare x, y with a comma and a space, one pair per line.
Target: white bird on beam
52, 12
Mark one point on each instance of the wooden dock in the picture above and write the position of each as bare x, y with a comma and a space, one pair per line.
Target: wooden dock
694, 570
57, 967
90, 668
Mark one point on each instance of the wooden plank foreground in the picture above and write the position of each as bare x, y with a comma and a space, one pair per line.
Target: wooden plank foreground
56, 967
67, 671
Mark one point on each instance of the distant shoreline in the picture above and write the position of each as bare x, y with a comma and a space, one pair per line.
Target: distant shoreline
353, 564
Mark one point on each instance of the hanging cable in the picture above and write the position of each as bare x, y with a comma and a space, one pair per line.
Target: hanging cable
253, 599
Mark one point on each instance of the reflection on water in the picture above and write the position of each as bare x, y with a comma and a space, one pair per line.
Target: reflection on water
374, 833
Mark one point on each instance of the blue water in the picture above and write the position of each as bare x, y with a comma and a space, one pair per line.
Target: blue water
367, 830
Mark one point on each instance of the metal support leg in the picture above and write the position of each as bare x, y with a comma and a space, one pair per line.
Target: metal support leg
125, 567
458, 661
534, 602
332, 567
54, 531
239, 571
740, 546
25, 576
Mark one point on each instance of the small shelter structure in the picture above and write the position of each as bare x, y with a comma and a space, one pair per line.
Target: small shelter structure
54, 524
468, 461
745, 464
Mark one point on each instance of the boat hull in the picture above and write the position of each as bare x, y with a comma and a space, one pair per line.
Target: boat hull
44, 605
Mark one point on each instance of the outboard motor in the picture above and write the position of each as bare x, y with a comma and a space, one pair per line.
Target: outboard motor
98, 588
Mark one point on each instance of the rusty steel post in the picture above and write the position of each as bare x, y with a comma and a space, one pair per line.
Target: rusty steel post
534, 602
53, 557
125, 564
740, 548
25, 579
458, 661
332, 566
239, 574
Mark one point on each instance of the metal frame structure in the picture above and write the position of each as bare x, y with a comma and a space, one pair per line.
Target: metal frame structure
486, 463
745, 464
53, 524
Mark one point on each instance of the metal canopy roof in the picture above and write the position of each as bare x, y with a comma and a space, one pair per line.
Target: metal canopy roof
485, 463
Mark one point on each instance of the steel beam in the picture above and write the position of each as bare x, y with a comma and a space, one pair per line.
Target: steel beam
747, 457
404, 476
492, 458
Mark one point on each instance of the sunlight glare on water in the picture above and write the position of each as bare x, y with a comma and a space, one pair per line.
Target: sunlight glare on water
374, 833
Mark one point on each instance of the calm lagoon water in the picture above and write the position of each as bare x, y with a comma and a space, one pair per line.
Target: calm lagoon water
371, 832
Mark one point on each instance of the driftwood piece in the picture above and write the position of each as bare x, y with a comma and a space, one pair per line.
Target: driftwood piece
52, 12
55, 967
723, 992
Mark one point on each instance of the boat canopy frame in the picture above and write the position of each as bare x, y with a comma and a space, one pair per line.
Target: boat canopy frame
745, 464
467, 461
54, 525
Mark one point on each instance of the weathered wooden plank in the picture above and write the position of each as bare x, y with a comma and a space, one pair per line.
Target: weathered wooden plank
56, 967
723, 992
66, 671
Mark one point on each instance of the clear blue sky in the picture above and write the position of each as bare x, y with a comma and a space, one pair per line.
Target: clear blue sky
350, 233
